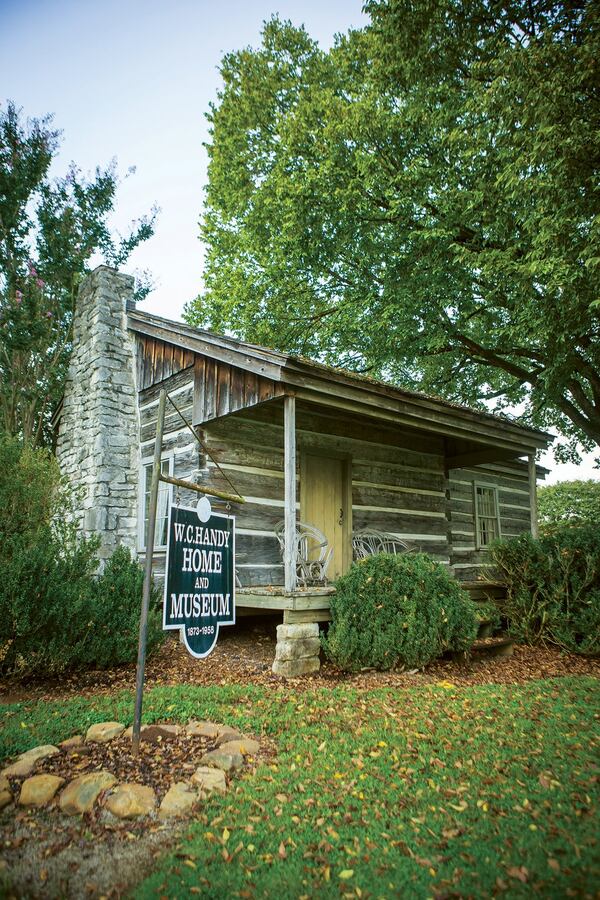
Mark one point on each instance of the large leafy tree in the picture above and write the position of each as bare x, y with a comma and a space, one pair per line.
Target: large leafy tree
571, 502
50, 229
420, 202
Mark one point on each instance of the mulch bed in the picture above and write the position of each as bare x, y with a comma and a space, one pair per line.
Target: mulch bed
159, 763
245, 652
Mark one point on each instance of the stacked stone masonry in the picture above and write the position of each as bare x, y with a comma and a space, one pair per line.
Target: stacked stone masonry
297, 650
98, 442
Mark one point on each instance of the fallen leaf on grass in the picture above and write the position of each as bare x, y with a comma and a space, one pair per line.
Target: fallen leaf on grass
519, 872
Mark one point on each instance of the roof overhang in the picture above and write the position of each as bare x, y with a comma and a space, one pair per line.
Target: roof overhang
331, 387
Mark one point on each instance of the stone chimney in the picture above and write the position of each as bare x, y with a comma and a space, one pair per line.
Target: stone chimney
98, 437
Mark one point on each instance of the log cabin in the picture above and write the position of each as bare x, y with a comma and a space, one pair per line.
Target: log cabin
300, 441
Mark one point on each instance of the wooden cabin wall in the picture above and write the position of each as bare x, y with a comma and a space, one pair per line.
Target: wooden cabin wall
157, 360
514, 506
177, 439
251, 456
221, 389
398, 481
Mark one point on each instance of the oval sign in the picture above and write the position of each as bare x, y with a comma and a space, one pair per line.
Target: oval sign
200, 577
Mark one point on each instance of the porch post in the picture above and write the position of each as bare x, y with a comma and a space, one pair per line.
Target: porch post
533, 496
289, 431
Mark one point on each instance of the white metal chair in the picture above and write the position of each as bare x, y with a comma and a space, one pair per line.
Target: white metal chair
313, 553
368, 542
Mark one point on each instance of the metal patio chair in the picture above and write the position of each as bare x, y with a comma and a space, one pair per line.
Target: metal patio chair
313, 553
368, 542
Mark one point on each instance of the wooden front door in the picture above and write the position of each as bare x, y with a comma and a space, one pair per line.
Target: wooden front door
326, 503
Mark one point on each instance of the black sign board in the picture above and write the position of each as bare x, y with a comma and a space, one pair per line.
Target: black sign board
200, 577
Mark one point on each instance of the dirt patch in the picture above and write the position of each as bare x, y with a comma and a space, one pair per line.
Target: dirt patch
245, 653
46, 854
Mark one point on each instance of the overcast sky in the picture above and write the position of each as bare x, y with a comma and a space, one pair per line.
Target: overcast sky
132, 80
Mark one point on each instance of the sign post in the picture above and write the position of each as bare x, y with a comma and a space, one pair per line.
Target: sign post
141, 660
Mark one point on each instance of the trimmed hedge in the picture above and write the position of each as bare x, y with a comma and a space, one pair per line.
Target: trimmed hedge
392, 612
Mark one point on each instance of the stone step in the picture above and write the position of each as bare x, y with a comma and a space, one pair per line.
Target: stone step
501, 645
487, 647
485, 629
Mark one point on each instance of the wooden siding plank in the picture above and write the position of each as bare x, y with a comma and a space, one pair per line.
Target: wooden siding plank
237, 387
250, 389
397, 522
380, 496
148, 364
210, 390
199, 389
140, 355
150, 394
223, 405
235, 453
533, 496
157, 367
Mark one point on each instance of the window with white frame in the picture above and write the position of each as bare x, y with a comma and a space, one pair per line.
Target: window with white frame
162, 508
487, 514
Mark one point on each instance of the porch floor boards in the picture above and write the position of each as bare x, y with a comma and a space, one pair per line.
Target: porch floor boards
312, 604
299, 606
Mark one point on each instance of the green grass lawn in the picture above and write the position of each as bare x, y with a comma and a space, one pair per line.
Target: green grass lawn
467, 791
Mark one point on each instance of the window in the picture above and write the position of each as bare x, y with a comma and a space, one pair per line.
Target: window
162, 509
487, 516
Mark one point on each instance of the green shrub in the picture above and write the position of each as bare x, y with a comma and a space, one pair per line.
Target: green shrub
553, 587
572, 502
45, 588
397, 611
117, 602
488, 612
31, 489
54, 614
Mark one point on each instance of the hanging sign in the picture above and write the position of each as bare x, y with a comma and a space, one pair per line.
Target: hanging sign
200, 575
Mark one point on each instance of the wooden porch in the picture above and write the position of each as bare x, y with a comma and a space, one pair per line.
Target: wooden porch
312, 604
364, 474
298, 606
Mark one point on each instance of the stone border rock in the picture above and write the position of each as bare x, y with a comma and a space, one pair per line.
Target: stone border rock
128, 800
